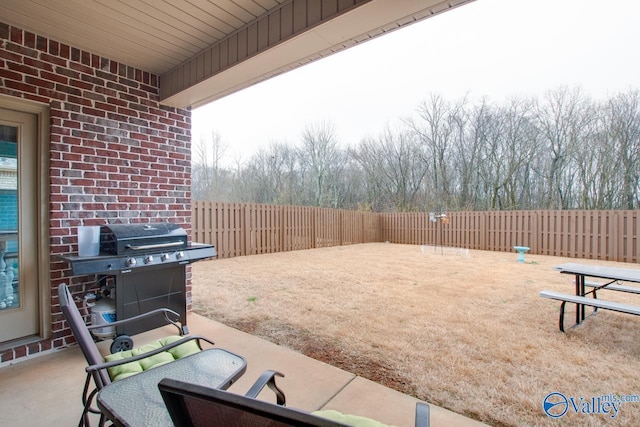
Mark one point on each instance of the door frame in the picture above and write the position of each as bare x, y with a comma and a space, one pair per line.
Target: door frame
42, 113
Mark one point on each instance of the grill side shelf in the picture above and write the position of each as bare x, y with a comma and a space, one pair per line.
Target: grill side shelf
114, 265
93, 265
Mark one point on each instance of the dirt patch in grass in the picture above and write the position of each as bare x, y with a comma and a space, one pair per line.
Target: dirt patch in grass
323, 349
465, 330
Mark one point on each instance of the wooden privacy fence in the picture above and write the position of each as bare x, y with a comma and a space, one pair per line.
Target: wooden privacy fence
604, 235
245, 229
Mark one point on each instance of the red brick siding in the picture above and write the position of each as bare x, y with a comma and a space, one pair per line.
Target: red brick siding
116, 154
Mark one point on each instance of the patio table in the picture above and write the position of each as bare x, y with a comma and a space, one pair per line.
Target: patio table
136, 400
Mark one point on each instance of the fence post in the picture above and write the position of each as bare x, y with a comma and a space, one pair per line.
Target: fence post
340, 231
245, 229
314, 222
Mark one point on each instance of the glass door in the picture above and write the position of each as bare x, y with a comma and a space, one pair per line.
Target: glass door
19, 311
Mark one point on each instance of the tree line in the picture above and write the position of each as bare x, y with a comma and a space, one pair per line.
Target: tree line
562, 150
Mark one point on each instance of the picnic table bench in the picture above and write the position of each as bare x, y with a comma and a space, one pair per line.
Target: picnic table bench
592, 302
613, 276
612, 287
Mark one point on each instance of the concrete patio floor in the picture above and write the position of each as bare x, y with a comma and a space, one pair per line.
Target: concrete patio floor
45, 390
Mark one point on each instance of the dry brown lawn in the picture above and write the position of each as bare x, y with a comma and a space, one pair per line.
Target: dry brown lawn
465, 330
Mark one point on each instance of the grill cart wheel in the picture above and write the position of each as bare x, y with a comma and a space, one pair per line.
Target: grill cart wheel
121, 343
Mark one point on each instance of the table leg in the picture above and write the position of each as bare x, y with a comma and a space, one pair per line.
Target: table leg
580, 308
577, 284
583, 292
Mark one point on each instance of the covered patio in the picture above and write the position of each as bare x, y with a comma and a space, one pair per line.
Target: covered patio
46, 390
95, 118
95, 105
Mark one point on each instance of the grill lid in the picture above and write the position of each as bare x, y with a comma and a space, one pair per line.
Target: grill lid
120, 239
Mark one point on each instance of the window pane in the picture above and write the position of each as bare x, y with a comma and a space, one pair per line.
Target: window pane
9, 289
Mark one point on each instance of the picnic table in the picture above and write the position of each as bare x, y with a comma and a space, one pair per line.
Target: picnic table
613, 278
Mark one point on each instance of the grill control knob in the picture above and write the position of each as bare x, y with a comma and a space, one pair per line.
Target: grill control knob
164, 257
130, 262
148, 259
179, 255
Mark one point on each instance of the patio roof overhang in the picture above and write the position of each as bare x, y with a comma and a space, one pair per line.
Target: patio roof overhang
203, 50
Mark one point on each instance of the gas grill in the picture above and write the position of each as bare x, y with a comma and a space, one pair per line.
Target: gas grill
147, 263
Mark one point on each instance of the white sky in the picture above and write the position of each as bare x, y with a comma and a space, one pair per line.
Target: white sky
493, 48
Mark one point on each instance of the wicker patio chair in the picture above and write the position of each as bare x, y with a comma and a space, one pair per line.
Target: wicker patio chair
192, 405
103, 370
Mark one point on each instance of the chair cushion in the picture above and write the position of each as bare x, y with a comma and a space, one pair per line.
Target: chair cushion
126, 370
350, 420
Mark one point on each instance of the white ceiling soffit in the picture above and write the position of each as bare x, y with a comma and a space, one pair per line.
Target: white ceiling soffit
151, 35
160, 36
358, 25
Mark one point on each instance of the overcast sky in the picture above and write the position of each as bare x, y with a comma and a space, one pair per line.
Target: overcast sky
493, 48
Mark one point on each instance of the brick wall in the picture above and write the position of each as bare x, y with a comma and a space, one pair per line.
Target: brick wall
116, 154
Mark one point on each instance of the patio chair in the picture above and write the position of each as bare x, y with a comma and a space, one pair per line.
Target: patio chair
104, 370
192, 405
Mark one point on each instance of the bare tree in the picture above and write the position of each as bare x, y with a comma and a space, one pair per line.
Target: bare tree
562, 116
466, 154
624, 131
355, 194
520, 144
394, 169
320, 152
563, 151
596, 165
367, 157
207, 170
271, 176
436, 130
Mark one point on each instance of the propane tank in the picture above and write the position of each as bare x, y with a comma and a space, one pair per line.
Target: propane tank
103, 312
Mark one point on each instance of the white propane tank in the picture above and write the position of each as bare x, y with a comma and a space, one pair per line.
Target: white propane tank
103, 312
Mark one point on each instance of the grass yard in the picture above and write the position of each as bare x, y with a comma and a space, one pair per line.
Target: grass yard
465, 330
